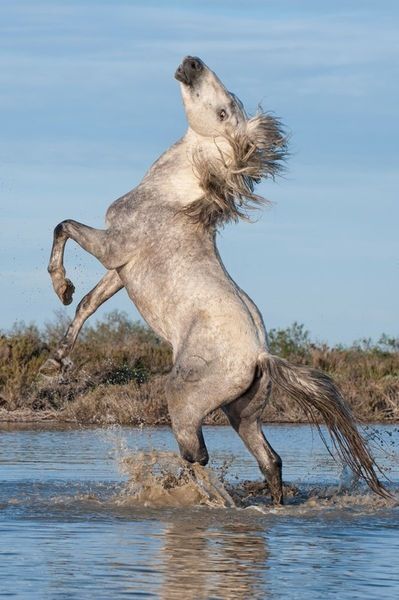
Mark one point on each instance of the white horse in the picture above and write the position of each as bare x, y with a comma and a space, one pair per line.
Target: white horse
160, 244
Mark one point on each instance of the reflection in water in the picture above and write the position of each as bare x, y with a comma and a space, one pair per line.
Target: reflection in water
227, 562
199, 559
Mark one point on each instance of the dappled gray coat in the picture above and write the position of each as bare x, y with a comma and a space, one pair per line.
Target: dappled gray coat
160, 245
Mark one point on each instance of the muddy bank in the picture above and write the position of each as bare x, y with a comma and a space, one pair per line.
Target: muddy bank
119, 369
145, 404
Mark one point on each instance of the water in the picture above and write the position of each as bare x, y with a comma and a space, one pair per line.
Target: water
96, 513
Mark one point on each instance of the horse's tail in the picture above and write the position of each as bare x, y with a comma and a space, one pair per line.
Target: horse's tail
315, 391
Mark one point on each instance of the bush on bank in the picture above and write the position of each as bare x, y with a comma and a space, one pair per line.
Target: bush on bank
119, 368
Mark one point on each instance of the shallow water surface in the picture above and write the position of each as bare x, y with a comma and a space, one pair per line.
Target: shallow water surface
97, 513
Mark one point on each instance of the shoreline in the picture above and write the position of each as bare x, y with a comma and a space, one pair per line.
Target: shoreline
119, 370
56, 419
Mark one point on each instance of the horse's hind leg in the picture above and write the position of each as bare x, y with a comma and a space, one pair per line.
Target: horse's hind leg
195, 388
109, 285
268, 460
244, 415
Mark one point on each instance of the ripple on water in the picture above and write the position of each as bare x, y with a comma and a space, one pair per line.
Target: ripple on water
120, 519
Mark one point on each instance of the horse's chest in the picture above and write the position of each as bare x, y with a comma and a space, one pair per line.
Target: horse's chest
121, 212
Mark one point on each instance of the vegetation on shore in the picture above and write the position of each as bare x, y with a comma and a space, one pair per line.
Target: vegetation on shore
119, 368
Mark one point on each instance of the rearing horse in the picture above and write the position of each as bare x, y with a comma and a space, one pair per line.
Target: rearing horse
160, 244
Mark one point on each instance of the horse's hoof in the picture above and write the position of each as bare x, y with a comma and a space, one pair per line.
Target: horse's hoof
276, 493
53, 370
277, 501
65, 292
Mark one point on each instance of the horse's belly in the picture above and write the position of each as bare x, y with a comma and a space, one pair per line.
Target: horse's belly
156, 304
193, 314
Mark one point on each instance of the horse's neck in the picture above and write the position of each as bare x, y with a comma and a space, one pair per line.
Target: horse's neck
173, 176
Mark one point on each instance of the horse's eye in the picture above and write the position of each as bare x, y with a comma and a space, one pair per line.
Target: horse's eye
222, 114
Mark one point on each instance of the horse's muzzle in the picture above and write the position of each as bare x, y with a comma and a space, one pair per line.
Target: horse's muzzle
189, 70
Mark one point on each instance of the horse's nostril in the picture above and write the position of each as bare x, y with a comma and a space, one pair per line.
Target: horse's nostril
194, 63
191, 68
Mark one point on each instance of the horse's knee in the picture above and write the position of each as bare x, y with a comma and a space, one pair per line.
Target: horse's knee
60, 229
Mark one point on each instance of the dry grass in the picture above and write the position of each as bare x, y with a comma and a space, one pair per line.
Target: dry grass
125, 404
119, 368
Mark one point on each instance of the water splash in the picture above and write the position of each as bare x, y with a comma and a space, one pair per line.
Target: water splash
163, 479
159, 478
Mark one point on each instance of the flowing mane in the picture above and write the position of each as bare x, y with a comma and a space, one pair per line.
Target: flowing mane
258, 151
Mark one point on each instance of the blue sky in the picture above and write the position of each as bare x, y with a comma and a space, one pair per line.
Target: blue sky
88, 102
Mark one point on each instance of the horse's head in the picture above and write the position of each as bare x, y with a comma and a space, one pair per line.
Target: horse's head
234, 151
211, 109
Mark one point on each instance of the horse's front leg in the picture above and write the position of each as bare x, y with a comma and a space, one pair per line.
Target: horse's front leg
109, 285
98, 242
